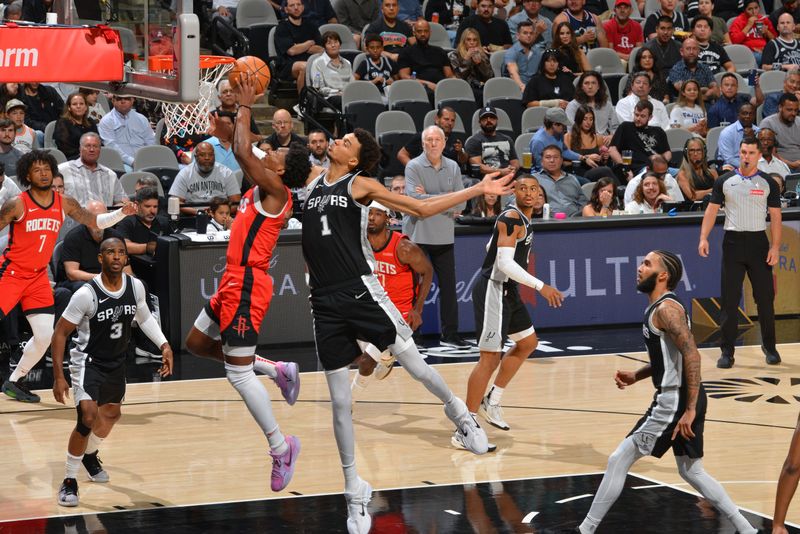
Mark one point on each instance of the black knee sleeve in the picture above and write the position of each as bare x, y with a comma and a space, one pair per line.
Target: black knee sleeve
80, 428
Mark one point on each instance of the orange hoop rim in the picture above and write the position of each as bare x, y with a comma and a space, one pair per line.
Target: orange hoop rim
164, 62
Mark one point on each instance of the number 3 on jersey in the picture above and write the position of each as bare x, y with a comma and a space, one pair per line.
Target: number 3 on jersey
326, 230
116, 331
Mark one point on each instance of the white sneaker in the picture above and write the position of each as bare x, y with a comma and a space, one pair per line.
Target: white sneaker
383, 368
493, 413
456, 442
358, 519
471, 436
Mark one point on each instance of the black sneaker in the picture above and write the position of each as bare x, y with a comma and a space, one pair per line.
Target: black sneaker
19, 390
455, 341
68, 493
93, 466
725, 361
773, 358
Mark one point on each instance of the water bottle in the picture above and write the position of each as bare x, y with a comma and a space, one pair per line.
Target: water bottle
414, 75
317, 81
546, 212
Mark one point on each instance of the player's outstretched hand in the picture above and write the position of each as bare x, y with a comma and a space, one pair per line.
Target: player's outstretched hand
245, 90
684, 426
624, 379
554, 296
494, 184
166, 361
130, 208
60, 389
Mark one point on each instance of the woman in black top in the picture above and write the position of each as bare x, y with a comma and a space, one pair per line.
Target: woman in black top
584, 139
551, 86
572, 57
72, 124
646, 61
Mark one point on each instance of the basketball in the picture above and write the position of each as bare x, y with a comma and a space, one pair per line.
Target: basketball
256, 68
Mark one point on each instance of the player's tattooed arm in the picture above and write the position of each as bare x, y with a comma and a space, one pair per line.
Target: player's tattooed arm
671, 318
11, 211
76, 211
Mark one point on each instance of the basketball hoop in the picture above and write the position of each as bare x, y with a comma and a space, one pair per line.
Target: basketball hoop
192, 118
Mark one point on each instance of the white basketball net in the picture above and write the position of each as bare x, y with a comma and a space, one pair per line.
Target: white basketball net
189, 119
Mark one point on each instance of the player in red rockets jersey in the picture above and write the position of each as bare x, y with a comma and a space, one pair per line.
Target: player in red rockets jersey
34, 218
227, 328
406, 273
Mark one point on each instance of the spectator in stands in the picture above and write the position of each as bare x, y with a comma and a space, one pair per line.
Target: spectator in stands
494, 32
731, 137
8, 154
591, 91
666, 50
356, 14
44, 106
95, 111
787, 130
623, 33
551, 87
296, 40
319, 12
220, 211
222, 143
791, 84
398, 185
725, 109
639, 137
689, 68
71, 126
689, 111
787, 6
695, 177
640, 92
445, 119
125, 130
563, 190
395, 34
660, 167
429, 62
430, 175
490, 149
227, 102
769, 162
552, 134
470, 62
539, 200
570, 55
85, 179
541, 26
410, 11
283, 131
668, 9
645, 61
487, 206
586, 25
521, 61
225, 10
584, 140
140, 231
13, 12
318, 148
376, 68
604, 200
330, 72
711, 54
36, 10
203, 180
752, 29
24, 137
783, 52
8, 91
719, 26
648, 197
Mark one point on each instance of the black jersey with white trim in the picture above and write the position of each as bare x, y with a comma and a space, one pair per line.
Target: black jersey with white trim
666, 360
521, 251
107, 331
335, 244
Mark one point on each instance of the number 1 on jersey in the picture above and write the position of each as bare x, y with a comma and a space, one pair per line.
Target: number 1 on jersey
326, 230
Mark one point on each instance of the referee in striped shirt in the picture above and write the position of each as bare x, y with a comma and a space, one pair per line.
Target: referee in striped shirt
748, 195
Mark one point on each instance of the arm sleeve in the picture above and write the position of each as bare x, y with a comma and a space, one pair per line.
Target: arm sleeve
512, 269
147, 323
107, 220
80, 305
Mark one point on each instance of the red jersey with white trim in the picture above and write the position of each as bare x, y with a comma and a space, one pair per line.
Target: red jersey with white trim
31, 239
255, 232
396, 278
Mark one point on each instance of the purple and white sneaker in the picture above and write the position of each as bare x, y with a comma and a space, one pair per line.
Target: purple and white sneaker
283, 464
288, 380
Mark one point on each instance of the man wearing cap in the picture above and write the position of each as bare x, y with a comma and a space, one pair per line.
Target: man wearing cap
623, 33
490, 149
24, 135
555, 126
430, 175
640, 91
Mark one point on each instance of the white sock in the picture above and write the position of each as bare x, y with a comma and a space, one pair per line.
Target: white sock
495, 395
350, 478
73, 464
42, 326
359, 382
93, 444
256, 398
277, 442
265, 367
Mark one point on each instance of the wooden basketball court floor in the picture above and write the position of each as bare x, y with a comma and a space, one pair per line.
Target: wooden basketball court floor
191, 443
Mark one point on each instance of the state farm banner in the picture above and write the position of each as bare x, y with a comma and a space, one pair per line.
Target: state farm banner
59, 54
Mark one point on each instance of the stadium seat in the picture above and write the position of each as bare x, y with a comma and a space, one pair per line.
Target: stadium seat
409, 96
522, 144
60, 157
504, 93
393, 130
154, 156
129, 179
497, 59
712, 140
742, 57
605, 60
457, 129
112, 159
361, 103
771, 81
439, 37
49, 142
457, 94
532, 119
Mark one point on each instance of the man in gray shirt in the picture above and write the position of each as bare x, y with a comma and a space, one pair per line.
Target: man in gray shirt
203, 180
8, 154
564, 192
787, 130
428, 175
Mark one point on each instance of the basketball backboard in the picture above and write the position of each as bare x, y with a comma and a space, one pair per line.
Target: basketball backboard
147, 28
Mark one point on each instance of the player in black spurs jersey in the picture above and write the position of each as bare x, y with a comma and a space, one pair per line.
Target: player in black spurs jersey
676, 417
348, 302
102, 311
499, 311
